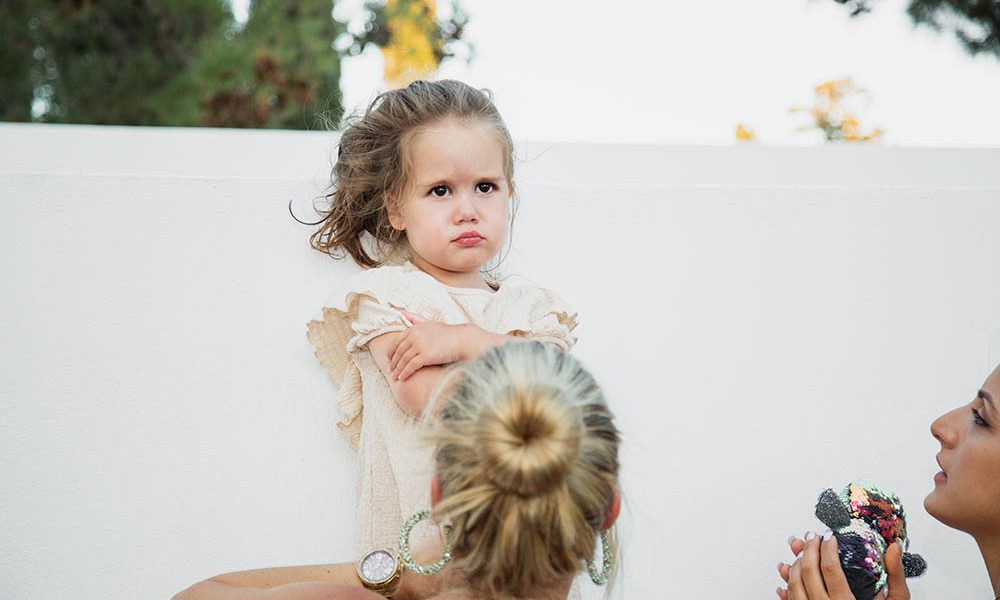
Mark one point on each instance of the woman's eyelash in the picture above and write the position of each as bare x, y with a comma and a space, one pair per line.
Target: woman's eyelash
978, 418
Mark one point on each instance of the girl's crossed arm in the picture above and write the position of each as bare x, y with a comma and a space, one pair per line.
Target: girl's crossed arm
412, 360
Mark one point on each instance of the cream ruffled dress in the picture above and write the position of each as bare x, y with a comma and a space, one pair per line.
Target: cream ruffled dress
394, 466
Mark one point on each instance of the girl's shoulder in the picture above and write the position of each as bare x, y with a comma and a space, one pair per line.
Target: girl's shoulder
535, 311
402, 286
519, 289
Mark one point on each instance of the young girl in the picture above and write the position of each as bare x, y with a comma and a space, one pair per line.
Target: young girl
422, 193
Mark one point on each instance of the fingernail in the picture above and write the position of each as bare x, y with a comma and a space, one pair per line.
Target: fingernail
809, 535
791, 539
778, 592
827, 534
779, 567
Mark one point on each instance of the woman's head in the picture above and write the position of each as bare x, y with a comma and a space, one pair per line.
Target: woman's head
527, 468
436, 144
966, 492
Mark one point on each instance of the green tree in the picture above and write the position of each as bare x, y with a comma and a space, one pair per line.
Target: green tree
976, 23
16, 77
280, 70
177, 62
107, 61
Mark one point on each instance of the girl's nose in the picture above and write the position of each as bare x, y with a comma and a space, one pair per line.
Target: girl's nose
464, 209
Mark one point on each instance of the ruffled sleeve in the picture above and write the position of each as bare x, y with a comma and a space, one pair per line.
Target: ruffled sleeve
372, 306
540, 314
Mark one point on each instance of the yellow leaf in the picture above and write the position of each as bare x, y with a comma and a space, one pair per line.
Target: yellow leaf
745, 134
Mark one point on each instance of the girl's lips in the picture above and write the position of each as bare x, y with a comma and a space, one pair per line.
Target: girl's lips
469, 241
940, 477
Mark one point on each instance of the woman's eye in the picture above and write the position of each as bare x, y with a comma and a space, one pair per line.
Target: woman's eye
978, 418
485, 187
439, 191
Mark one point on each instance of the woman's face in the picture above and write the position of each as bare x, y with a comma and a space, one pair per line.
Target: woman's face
966, 492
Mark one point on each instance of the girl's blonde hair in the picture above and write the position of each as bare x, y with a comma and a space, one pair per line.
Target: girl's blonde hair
527, 458
372, 168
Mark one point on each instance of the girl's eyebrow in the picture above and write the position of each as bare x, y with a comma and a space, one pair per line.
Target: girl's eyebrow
448, 180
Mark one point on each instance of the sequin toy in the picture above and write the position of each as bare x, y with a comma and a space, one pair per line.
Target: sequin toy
866, 520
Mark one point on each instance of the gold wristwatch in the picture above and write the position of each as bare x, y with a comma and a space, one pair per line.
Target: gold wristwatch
379, 571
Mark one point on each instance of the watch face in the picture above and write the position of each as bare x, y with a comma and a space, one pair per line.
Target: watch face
378, 566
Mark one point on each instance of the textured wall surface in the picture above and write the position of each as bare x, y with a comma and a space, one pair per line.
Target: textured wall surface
767, 322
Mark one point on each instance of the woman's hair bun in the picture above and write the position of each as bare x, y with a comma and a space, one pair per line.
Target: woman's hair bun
527, 462
530, 440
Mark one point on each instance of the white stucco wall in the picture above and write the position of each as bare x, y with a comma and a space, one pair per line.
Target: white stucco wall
767, 322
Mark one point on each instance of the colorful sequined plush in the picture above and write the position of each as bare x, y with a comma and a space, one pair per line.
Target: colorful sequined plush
866, 520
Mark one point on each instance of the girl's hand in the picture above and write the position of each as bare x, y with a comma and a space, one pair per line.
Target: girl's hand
426, 343
817, 574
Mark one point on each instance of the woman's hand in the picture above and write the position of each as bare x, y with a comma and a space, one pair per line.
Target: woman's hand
306, 590
817, 575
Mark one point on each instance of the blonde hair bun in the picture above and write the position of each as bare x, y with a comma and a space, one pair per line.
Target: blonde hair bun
529, 441
527, 462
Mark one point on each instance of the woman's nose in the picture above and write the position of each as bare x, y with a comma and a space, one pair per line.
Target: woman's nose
944, 428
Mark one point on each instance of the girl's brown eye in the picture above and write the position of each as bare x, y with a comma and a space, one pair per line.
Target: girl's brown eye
485, 187
439, 191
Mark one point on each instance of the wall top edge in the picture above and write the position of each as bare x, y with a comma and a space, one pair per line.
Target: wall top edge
283, 154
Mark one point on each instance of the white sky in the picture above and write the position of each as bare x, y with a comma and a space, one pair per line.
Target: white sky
646, 71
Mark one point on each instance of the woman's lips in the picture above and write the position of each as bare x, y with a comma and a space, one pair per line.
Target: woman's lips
940, 476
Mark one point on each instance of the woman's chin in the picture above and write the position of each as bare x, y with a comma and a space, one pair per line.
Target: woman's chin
932, 503
929, 502
936, 505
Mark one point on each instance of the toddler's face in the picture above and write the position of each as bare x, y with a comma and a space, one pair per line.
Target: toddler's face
455, 210
967, 490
